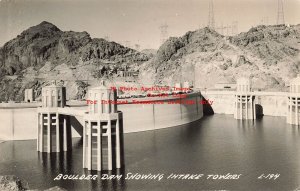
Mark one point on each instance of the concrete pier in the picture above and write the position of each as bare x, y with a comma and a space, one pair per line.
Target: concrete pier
294, 102
53, 129
244, 100
103, 132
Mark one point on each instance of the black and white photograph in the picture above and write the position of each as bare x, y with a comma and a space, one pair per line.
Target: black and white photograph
150, 95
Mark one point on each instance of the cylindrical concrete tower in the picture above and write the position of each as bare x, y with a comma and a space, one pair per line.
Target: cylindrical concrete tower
105, 100
53, 96
244, 100
103, 132
54, 130
294, 101
243, 85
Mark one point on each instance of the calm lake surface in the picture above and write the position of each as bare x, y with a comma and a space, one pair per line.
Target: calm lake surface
214, 145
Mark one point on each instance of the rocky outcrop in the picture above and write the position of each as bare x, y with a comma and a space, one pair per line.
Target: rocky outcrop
269, 42
31, 48
12, 183
44, 53
267, 54
45, 42
175, 48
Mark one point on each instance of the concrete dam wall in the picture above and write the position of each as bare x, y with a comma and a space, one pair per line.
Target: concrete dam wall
21, 123
143, 117
266, 103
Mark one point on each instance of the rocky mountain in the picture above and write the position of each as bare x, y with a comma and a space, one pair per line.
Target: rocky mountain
266, 54
43, 53
269, 55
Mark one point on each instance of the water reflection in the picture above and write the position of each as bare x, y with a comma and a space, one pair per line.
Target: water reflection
107, 180
56, 162
66, 163
216, 144
246, 123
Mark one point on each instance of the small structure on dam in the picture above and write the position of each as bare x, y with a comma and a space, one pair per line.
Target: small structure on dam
53, 128
102, 134
244, 100
28, 95
294, 101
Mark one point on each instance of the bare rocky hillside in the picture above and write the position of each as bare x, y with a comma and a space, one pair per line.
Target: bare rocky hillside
266, 54
43, 53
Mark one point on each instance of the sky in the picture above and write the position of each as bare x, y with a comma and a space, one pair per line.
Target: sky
138, 21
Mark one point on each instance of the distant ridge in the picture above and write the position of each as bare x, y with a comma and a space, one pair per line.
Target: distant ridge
267, 54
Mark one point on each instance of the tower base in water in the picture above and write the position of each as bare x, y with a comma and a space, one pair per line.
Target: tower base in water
54, 131
103, 141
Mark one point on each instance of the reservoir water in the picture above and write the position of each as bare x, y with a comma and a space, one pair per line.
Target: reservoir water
215, 145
